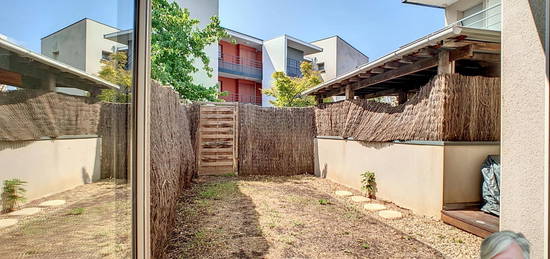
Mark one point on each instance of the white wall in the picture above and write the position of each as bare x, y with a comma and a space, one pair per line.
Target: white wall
453, 12
71, 44
419, 177
203, 10
274, 60
51, 166
348, 58
96, 44
524, 123
327, 56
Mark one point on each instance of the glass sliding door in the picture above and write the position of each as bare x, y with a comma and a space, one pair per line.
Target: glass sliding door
67, 119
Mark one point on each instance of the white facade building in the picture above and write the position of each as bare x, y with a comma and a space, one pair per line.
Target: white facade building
337, 58
283, 54
203, 10
81, 45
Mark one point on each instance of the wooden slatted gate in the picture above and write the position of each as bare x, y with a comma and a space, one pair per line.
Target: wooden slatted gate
217, 139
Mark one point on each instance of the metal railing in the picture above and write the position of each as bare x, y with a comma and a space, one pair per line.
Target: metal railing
242, 98
489, 19
293, 67
240, 66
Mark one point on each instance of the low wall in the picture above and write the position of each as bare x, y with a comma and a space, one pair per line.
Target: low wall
51, 166
419, 177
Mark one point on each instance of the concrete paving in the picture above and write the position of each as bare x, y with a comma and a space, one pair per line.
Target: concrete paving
25, 212
374, 206
4, 223
52, 203
390, 214
343, 193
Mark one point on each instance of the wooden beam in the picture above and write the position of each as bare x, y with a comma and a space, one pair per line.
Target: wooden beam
426, 53
349, 92
377, 70
461, 53
10, 78
365, 75
392, 65
402, 97
319, 99
353, 79
445, 65
407, 60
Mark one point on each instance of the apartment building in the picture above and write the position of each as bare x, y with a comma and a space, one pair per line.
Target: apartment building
81, 45
246, 63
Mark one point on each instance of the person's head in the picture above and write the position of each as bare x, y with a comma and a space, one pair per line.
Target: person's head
505, 245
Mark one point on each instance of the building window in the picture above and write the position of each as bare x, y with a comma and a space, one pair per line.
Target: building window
321, 67
105, 55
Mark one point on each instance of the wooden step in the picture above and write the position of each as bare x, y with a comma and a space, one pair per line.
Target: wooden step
476, 222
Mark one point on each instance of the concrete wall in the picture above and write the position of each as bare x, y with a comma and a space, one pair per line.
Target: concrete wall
453, 12
524, 123
203, 10
80, 45
348, 58
70, 42
327, 56
417, 177
51, 166
96, 44
462, 179
273, 60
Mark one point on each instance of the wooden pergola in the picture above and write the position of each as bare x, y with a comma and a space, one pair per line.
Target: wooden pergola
454, 49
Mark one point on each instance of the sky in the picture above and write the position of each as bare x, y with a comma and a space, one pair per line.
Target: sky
375, 27
25, 22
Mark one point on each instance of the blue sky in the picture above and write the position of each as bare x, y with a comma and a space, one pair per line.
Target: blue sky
375, 27
27, 21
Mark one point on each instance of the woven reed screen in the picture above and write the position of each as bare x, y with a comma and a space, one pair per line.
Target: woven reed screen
275, 141
449, 107
172, 162
30, 115
113, 130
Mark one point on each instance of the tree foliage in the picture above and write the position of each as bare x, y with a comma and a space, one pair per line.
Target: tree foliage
114, 71
177, 41
286, 89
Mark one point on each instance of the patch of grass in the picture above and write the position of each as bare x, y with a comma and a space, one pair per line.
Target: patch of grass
459, 241
298, 223
229, 175
76, 211
32, 252
365, 245
217, 191
324, 202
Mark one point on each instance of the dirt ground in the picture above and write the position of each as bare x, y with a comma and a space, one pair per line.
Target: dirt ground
284, 217
94, 223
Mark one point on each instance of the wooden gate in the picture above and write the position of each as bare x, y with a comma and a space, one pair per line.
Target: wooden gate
217, 139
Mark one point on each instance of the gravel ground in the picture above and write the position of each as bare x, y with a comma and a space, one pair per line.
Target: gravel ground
451, 241
300, 217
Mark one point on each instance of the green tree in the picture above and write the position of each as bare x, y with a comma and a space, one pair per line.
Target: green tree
286, 89
114, 71
177, 41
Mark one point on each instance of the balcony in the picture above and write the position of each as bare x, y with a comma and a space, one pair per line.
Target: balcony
240, 66
242, 98
293, 68
488, 19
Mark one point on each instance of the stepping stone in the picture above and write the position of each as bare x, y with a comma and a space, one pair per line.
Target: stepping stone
374, 206
359, 199
390, 214
343, 193
25, 212
4, 223
52, 203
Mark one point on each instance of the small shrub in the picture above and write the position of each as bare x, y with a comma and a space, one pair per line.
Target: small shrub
76, 211
13, 194
365, 245
324, 202
368, 184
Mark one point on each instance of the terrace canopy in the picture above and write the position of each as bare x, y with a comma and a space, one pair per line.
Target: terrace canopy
454, 49
23, 68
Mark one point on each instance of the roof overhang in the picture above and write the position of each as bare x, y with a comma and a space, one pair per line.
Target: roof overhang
122, 37
30, 68
431, 3
422, 51
241, 38
306, 47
